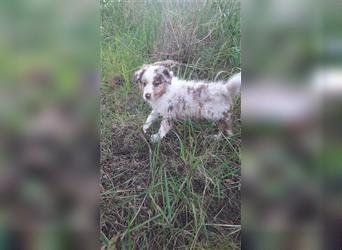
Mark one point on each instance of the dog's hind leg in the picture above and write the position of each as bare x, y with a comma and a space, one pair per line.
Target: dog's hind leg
225, 126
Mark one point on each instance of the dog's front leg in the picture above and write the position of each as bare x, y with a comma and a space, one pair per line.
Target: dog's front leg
150, 119
165, 127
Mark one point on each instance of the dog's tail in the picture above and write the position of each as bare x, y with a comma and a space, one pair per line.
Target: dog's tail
234, 84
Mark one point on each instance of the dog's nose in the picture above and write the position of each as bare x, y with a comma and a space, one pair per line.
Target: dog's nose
147, 96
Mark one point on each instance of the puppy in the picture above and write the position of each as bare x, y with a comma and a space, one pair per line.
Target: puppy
174, 99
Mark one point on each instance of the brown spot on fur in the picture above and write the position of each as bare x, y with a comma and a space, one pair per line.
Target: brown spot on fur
180, 104
161, 77
225, 123
199, 112
227, 115
222, 125
200, 95
166, 73
141, 74
137, 77
199, 92
157, 80
183, 104
161, 91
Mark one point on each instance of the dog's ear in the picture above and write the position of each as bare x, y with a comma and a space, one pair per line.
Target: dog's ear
167, 74
138, 75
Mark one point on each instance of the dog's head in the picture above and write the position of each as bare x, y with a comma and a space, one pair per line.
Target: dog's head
153, 80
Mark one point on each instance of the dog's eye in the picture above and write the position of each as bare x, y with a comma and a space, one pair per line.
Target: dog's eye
156, 83
144, 84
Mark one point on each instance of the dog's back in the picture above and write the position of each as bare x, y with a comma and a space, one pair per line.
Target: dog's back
199, 99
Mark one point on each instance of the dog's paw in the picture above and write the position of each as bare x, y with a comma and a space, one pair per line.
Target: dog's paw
155, 138
221, 135
229, 132
217, 136
145, 128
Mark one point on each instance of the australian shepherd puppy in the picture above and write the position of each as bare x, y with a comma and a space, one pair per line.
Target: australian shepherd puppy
173, 99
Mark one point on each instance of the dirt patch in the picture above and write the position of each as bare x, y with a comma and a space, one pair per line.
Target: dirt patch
132, 181
124, 172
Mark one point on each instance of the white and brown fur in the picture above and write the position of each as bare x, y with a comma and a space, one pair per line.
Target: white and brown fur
174, 99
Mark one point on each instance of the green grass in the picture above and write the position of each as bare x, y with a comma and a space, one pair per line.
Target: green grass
184, 192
